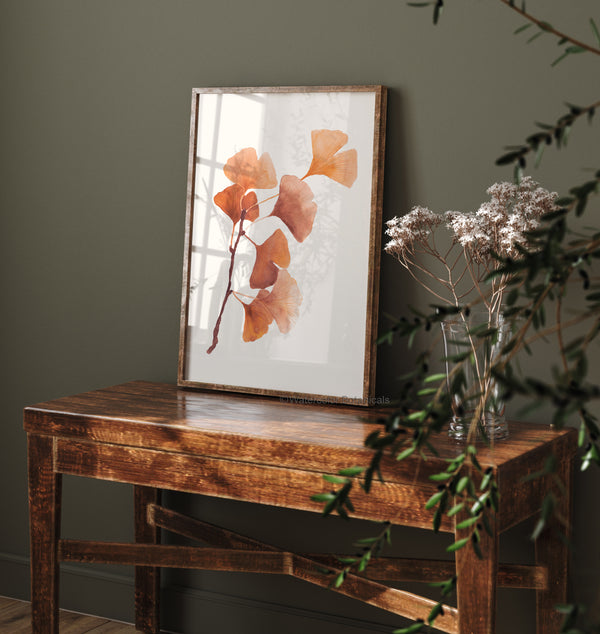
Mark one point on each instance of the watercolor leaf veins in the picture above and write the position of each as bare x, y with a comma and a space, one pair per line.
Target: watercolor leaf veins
279, 298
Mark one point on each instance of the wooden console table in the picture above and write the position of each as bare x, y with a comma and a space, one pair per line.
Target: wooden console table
272, 452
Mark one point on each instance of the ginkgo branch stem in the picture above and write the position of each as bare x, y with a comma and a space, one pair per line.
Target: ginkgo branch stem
228, 291
237, 295
262, 202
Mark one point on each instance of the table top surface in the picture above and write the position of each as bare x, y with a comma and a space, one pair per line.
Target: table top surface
255, 429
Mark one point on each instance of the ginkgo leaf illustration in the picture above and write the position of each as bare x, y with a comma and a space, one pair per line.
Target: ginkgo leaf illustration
232, 200
273, 251
295, 206
328, 161
249, 171
281, 304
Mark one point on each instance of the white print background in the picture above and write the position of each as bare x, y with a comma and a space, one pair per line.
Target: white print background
324, 352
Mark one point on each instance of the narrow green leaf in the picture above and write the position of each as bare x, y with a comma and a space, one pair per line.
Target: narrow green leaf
522, 28
581, 436
434, 378
322, 497
560, 58
478, 506
535, 36
457, 545
406, 452
333, 479
347, 560
351, 471
366, 541
455, 509
475, 463
440, 477
427, 391
595, 30
342, 512
434, 499
476, 546
486, 525
457, 358
539, 527
467, 523
437, 11
518, 171
436, 611
485, 481
411, 629
538, 154
510, 157
364, 561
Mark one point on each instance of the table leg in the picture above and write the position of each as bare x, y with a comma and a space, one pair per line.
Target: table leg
552, 551
147, 578
44, 530
476, 586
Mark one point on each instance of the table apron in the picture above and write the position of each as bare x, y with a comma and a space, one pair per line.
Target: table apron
274, 486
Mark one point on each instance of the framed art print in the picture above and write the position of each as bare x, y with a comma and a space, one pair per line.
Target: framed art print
283, 230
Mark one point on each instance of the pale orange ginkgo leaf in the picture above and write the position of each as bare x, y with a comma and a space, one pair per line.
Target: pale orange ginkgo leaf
295, 206
341, 167
257, 318
270, 255
282, 304
232, 201
249, 171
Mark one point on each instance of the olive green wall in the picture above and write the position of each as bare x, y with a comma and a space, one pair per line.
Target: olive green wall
94, 116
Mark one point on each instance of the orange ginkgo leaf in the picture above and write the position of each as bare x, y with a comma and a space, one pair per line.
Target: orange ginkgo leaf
232, 201
270, 255
328, 161
257, 319
295, 206
250, 172
282, 304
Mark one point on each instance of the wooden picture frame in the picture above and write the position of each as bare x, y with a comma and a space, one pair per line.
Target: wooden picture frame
282, 245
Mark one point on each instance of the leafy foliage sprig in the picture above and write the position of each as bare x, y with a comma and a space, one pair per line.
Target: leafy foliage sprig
559, 262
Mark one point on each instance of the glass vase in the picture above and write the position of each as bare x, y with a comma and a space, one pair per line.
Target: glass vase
472, 345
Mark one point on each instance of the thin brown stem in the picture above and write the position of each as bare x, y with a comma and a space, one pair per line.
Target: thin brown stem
559, 335
262, 202
228, 291
427, 288
544, 26
427, 272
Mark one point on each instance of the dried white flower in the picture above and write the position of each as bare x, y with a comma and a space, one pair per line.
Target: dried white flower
415, 227
495, 229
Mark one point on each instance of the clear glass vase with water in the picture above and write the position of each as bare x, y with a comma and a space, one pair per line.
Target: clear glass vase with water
472, 345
